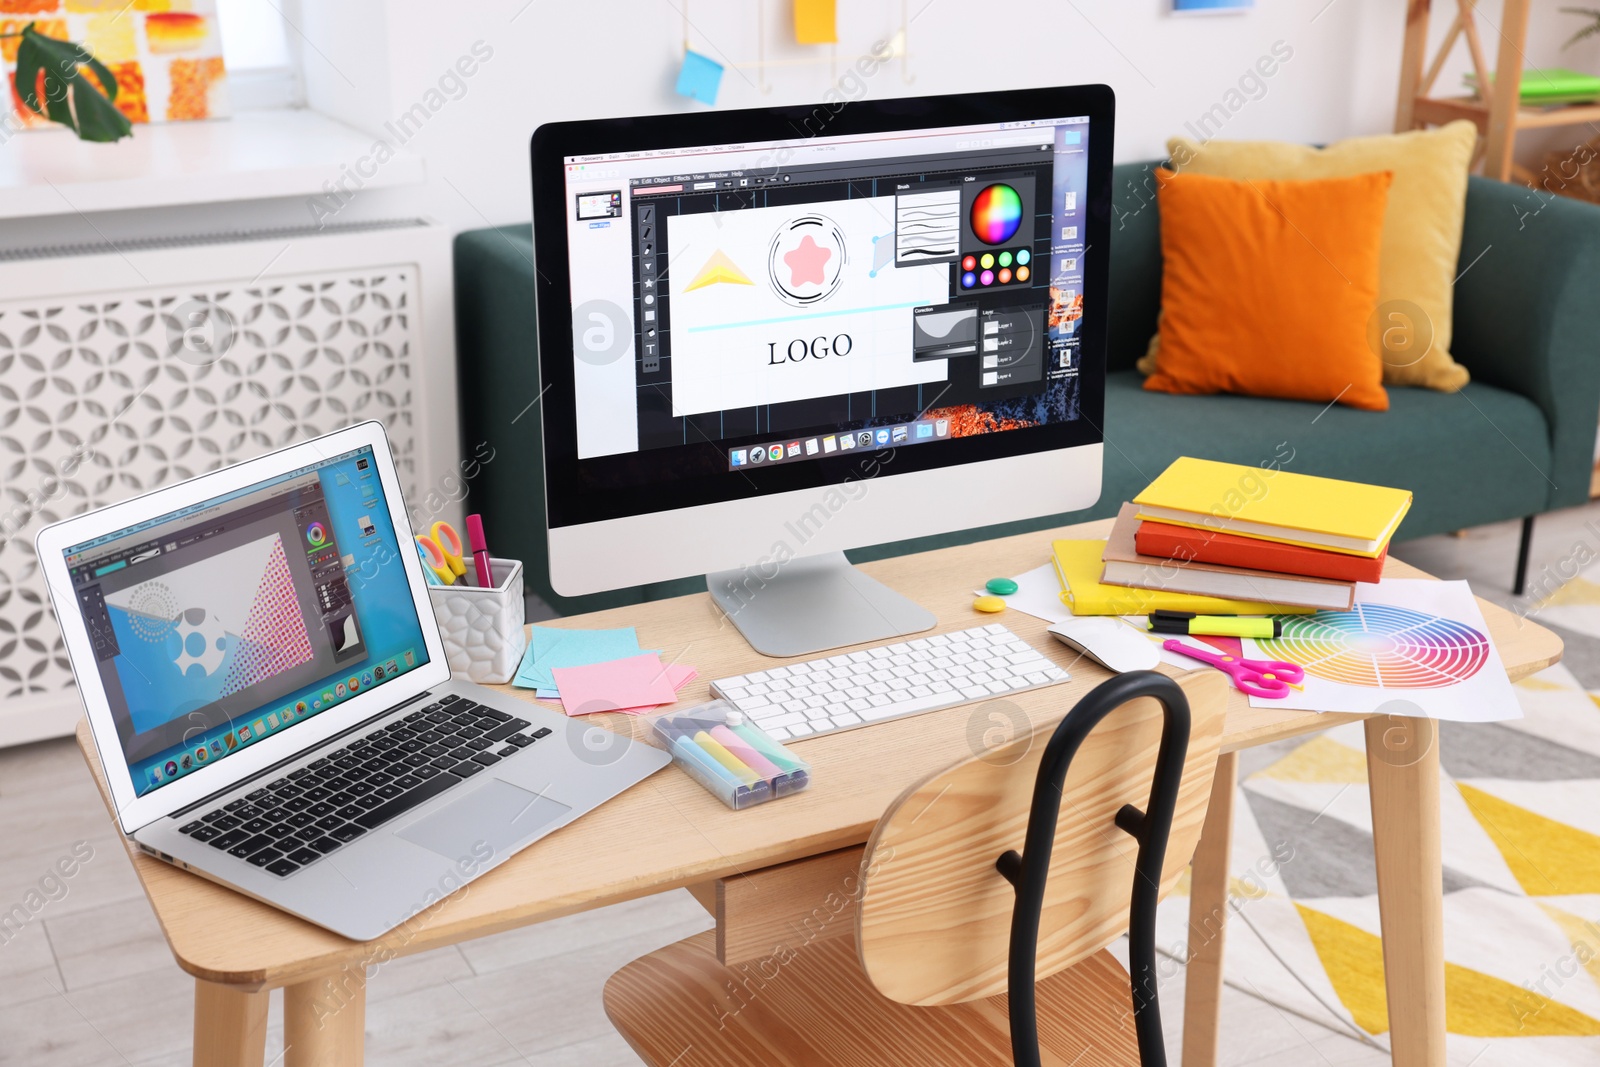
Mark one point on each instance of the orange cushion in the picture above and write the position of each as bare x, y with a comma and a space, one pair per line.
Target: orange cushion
1267, 287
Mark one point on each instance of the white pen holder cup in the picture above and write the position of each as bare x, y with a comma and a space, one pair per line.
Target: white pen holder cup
483, 628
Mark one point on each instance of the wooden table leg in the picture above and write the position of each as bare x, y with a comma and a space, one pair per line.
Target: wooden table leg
1208, 911
230, 1026
1403, 777
324, 1023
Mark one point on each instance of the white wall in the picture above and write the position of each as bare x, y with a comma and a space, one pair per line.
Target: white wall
376, 58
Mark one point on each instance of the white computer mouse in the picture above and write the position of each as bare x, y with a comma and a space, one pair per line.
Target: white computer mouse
1110, 642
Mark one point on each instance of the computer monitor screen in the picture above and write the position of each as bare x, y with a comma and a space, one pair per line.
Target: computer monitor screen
759, 301
217, 625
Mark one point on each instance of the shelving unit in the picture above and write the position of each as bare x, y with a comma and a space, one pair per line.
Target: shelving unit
1500, 116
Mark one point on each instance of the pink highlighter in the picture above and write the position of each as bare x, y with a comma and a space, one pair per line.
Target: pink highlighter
752, 759
480, 552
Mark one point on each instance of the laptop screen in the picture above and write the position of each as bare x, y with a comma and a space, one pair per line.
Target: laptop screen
238, 617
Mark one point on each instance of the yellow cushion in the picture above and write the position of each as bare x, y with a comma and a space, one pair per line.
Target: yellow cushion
1421, 231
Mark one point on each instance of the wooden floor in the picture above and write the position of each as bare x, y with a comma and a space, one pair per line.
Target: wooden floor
89, 982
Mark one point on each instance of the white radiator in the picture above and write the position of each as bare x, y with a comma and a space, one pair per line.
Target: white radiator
124, 369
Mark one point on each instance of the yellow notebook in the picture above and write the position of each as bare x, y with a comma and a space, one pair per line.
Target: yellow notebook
1079, 566
1296, 509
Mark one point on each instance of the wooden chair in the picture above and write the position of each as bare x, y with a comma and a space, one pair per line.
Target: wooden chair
950, 922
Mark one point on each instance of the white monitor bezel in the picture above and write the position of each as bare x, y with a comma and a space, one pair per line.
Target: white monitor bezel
135, 811
759, 535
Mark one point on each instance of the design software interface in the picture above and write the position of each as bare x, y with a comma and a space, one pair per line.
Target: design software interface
791, 299
217, 625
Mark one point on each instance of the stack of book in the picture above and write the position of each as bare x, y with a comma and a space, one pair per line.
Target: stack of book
1551, 87
1249, 534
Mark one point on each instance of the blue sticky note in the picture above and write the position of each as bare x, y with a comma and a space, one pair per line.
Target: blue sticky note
700, 78
549, 647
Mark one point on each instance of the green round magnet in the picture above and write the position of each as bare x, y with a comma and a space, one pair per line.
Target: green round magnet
1001, 586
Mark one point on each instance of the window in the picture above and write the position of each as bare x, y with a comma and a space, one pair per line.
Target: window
259, 50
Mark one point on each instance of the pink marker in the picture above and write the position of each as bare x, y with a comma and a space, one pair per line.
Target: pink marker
741, 748
480, 551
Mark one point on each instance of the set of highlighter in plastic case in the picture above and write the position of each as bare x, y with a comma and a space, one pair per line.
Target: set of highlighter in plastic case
729, 755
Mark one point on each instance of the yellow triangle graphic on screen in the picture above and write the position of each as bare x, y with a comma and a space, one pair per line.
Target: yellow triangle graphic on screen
1319, 760
1475, 1004
719, 270
1548, 858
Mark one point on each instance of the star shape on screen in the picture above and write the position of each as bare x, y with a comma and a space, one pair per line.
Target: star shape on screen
805, 262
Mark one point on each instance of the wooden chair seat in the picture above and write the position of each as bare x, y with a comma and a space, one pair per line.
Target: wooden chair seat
681, 1007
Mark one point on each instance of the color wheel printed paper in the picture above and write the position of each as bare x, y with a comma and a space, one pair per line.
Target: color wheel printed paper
1382, 645
1407, 647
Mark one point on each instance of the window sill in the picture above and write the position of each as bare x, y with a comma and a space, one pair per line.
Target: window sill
255, 155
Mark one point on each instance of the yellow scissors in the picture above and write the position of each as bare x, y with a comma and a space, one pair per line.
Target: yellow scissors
441, 552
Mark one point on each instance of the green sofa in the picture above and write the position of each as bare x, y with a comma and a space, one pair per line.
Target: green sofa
1517, 441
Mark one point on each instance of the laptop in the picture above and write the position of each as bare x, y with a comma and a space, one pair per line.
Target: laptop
269, 696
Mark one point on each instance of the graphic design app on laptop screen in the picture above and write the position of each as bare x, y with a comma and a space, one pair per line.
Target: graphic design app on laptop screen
224, 622
794, 299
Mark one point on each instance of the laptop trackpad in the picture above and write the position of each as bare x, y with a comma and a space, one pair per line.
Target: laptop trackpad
498, 814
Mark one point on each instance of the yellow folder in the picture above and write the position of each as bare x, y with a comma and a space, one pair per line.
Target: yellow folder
1079, 566
1275, 505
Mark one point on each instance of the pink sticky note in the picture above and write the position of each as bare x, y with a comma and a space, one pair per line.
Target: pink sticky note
680, 674
620, 685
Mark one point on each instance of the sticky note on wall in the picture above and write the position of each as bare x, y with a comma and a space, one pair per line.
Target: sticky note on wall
816, 22
699, 78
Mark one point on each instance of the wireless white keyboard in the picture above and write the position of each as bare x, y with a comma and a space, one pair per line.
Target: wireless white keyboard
853, 689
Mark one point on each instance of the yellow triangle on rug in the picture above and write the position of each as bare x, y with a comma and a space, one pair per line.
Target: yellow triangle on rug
1321, 759
1576, 591
1534, 682
1475, 1004
1548, 858
1584, 935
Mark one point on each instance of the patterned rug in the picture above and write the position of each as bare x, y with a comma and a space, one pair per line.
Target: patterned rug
1521, 839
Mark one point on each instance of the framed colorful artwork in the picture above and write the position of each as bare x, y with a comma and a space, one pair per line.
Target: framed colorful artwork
165, 54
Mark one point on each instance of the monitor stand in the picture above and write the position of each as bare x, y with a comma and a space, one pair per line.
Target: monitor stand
813, 604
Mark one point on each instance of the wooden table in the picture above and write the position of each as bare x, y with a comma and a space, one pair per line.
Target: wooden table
668, 832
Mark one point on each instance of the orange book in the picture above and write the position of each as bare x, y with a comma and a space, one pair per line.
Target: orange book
1125, 565
1231, 550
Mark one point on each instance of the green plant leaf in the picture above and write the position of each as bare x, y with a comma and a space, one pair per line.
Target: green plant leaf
1588, 31
70, 97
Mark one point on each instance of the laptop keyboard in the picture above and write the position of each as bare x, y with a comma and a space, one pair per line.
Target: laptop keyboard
294, 821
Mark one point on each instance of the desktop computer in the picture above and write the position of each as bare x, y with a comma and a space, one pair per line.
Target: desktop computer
769, 336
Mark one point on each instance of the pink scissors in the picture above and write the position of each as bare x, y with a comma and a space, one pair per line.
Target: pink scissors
1256, 677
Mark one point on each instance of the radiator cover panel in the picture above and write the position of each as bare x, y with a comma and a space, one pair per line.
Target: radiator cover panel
106, 395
